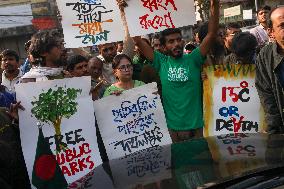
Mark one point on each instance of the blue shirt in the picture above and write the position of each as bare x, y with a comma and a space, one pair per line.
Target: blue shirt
6, 99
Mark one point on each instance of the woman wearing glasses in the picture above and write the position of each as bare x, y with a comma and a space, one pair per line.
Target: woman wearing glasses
123, 70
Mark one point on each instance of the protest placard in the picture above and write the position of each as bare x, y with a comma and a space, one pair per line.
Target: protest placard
247, 14
231, 102
142, 167
98, 178
232, 11
238, 152
90, 22
63, 109
150, 16
133, 121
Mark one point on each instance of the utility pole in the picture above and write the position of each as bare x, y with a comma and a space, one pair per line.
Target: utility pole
256, 5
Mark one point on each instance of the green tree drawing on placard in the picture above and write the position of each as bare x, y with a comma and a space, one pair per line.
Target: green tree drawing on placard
52, 106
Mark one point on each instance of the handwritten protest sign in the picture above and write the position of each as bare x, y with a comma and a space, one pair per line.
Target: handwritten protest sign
90, 22
238, 152
64, 110
132, 121
142, 167
97, 178
150, 16
231, 102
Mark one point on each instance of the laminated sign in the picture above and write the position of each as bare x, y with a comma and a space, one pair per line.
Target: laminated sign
58, 133
231, 101
131, 122
150, 16
90, 22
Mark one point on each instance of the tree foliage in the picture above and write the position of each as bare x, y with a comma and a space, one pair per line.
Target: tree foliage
204, 10
54, 105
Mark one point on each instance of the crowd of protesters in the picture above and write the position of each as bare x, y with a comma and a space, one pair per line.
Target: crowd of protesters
165, 59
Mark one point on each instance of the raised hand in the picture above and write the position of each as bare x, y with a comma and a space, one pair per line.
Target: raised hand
13, 111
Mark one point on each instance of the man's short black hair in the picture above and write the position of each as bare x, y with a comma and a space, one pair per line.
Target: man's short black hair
203, 31
42, 42
264, 7
243, 44
11, 53
234, 25
157, 36
168, 32
73, 60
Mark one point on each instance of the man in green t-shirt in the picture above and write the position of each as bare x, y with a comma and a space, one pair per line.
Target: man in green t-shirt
180, 77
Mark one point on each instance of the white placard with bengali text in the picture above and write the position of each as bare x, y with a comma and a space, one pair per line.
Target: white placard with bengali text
90, 22
143, 167
133, 121
98, 178
148, 16
77, 128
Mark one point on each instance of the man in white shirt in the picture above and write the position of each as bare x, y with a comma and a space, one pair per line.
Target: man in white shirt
107, 52
260, 31
11, 73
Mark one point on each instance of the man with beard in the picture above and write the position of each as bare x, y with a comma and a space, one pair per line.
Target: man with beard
11, 73
260, 31
46, 51
180, 77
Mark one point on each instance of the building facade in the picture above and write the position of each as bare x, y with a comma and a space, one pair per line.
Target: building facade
20, 19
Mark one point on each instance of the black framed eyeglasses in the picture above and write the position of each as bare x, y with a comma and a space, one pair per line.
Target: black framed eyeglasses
125, 67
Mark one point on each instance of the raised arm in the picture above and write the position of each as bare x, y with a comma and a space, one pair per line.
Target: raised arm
145, 48
128, 44
213, 26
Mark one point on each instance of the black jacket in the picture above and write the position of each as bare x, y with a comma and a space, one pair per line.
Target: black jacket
269, 88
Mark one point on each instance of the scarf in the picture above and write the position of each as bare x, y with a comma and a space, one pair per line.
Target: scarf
41, 73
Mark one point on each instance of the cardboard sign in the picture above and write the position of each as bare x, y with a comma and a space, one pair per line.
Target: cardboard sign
232, 11
90, 22
143, 167
98, 178
133, 121
247, 14
64, 109
238, 152
231, 102
150, 16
